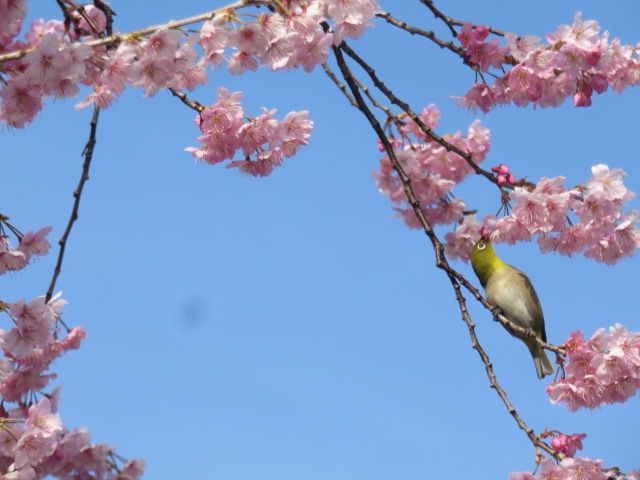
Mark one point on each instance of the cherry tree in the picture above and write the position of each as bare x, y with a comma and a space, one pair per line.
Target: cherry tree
84, 58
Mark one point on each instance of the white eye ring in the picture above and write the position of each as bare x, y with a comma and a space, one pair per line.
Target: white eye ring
482, 246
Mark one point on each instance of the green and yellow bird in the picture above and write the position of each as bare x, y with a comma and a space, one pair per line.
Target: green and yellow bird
509, 289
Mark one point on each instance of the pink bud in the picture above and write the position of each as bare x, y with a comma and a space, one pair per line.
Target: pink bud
593, 57
481, 32
501, 169
599, 83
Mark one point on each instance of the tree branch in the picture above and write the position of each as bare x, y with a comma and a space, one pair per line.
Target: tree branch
195, 105
114, 39
423, 33
77, 194
438, 14
451, 22
441, 261
341, 86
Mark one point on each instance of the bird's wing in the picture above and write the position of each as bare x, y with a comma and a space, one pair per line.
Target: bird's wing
534, 308
511, 290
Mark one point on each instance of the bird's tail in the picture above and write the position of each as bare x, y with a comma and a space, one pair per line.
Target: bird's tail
540, 360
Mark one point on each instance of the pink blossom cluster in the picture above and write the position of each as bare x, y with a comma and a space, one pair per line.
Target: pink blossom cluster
576, 61
604, 369
600, 231
480, 53
12, 13
167, 59
52, 69
567, 444
35, 445
59, 61
33, 441
29, 245
285, 40
30, 346
264, 141
503, 175
573, 469
434, 172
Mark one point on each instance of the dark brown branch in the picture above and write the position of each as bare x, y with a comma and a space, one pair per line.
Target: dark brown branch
77, 194
73, 6
108, 13
441, 261
423, 33
197, 106
407, 109
451, 22
438, 14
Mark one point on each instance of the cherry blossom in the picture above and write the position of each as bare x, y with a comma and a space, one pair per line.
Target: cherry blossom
567, 469
567, 444
604, 369
480, 53
39, 445
30, 244
12, 13
434, 171
264, 140
600, 229
576, 61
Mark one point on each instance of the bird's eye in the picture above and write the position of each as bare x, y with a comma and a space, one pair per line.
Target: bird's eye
482, 246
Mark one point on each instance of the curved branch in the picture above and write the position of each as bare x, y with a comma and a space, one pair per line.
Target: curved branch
451, 22
193, 104
77, 195
423, 33
441, 261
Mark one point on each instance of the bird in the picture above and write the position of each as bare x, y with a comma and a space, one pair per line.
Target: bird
511, 291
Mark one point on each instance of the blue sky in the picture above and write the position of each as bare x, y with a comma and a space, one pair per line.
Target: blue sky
291, 327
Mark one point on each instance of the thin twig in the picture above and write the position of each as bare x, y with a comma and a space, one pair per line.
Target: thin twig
495, 31
423, 33
438, 14
375, 102
195, 105
77, 194
341, 86
441, 261
451, 22
114, 39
